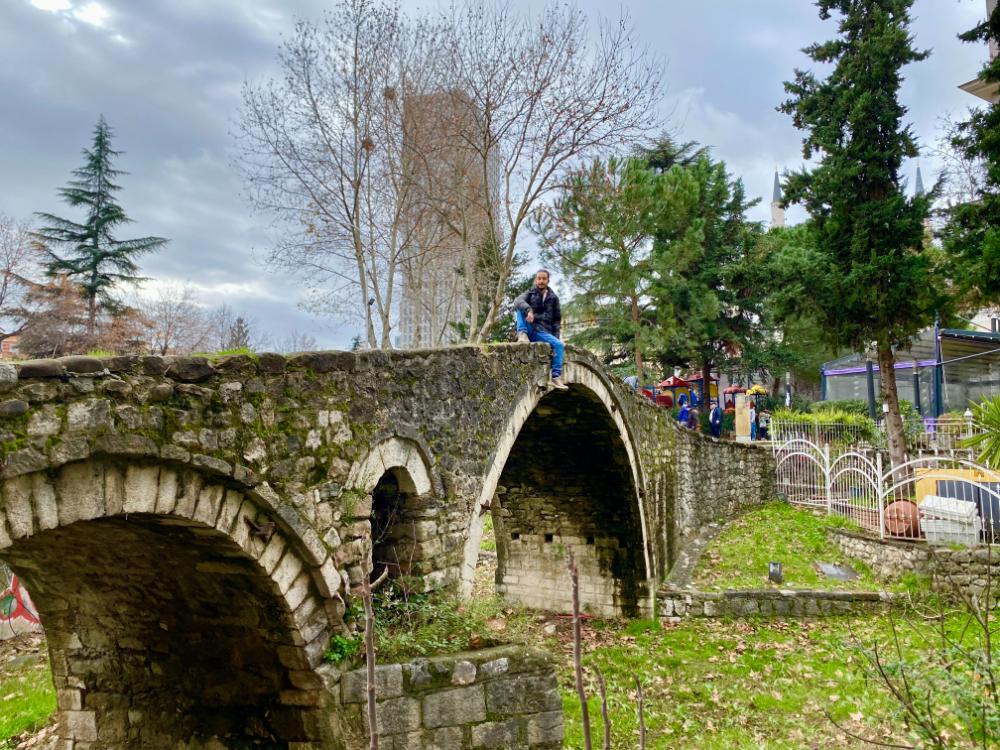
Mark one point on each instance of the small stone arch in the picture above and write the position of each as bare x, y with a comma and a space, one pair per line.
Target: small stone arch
401, 498
179, 609
585, 382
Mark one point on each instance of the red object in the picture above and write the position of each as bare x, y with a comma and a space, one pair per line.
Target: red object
665, 399
696, 378
735, 389
647, 393
673, 382
902, 518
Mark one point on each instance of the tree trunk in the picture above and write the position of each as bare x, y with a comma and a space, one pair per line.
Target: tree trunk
706, 384
893, 420
638, 346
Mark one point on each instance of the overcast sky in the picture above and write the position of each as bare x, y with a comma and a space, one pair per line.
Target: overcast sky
167, 74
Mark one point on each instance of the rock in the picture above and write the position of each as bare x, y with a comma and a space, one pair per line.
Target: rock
160, 392
190, 369
82, 365
14, 407
8, 377
40, 368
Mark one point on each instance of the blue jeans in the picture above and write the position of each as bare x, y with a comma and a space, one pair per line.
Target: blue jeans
753, 430
558, 347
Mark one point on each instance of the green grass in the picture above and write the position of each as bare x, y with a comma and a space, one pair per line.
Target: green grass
489, 542
719, 685
798, 539
427, 624
27, 698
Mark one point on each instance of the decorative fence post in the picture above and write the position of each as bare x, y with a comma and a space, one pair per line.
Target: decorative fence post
827, 479
881, 499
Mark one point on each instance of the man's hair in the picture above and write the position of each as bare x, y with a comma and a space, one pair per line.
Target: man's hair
545, 271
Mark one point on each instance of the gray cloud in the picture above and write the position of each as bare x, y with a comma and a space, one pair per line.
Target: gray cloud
167, 76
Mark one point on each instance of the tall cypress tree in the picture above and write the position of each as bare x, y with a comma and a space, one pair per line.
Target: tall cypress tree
972, 233
873, 282
90, 255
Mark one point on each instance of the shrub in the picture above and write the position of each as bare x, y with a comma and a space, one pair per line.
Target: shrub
832, 426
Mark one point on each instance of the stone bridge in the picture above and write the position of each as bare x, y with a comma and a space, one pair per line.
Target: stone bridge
190, 531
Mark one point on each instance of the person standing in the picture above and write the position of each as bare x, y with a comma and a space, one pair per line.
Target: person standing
765, 423
753, 419
539, 318
715, 420
682, 415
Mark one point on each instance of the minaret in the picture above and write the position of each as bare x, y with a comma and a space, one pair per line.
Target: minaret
777, 211
918, 190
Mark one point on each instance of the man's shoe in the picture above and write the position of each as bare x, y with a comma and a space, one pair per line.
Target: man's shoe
557, 383
522, 338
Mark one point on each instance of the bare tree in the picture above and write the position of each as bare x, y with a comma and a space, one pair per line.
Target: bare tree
323, 150
228, 329
177, 324
19, 256
297, 341
544, 93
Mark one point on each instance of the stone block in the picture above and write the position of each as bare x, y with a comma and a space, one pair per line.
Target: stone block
546, 729
78, 725
91, 415
445, 738
453, 707
395, 716
497, 734
209, 502
141, 488
80, 488
464, 673
388, 684
521, 694
8, 377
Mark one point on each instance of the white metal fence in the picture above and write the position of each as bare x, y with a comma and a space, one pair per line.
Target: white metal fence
942, 497
934, 434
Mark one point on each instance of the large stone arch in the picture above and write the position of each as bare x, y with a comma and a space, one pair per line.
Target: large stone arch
411, 542
604, 589
180, 610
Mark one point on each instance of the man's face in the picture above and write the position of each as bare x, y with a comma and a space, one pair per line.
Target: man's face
541, 281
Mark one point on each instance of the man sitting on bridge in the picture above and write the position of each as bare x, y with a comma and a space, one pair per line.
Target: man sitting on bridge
539, 318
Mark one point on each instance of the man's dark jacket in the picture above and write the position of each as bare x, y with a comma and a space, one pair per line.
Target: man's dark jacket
548, 315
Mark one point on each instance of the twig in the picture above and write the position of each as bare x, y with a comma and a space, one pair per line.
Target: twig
852, 735
370, 661
604, 707
642, 719
574, 576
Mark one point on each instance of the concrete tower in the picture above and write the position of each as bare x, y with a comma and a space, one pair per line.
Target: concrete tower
777, 211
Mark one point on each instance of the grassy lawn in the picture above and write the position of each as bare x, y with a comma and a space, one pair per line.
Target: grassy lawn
27, 698
779, 532
730, 685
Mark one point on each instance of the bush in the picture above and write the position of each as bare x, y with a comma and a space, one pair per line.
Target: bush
832, 426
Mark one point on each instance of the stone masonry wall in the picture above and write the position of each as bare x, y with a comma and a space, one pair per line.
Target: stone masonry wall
716, 480
768, 603
888, 559
503, 697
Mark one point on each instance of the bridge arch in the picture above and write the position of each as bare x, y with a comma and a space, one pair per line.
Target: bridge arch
566, 471
179, 609
400, 495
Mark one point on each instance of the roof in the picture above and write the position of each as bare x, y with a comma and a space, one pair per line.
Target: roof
987, 337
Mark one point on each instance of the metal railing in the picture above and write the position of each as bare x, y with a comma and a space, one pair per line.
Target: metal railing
942, 496
934, 434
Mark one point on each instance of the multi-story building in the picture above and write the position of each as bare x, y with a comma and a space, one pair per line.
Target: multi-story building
450, 228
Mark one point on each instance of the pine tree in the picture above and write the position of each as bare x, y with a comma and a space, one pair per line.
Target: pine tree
971, 236
90, 255
715, 294
599, 232
873, 280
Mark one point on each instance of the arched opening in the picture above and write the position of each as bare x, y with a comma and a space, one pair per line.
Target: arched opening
405, 538
395, 514
164, 632
568, 481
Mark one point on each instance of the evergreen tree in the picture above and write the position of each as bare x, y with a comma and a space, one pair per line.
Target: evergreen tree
90, 255
715, 294
599, 233
872, 280
971, 236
